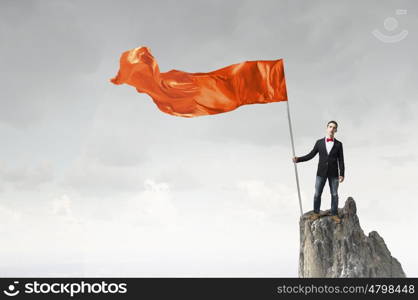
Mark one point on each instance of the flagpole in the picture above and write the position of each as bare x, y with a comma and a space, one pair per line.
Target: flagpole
293, 150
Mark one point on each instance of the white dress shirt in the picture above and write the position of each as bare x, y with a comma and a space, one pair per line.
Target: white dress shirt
329, 144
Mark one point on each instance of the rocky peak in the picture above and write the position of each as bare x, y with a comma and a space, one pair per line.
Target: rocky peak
328, 249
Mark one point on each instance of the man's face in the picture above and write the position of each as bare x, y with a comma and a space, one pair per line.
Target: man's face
331, 129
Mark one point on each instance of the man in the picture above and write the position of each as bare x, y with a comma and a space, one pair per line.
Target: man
331, 158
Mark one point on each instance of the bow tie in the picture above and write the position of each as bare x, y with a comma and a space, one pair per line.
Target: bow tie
330, 139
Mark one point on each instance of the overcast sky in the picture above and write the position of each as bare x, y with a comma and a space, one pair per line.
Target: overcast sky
96, 181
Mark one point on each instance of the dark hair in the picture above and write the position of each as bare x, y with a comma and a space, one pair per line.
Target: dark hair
336, 124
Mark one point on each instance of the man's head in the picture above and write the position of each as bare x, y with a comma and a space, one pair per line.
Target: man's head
331, 128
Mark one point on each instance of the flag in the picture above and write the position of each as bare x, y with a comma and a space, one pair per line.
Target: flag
188, 95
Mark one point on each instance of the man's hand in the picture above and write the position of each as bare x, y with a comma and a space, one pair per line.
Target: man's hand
295, 159
341, 178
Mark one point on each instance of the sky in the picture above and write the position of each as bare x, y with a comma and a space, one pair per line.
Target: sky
96, 181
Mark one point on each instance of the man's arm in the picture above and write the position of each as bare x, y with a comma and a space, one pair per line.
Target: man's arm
341, 161
310, 155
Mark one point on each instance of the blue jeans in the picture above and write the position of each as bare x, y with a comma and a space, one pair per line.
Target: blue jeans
319, 187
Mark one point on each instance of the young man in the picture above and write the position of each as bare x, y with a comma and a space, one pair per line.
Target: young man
331, 158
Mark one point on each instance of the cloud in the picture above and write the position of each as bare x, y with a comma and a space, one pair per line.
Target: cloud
62, 207
9, 216
400, 160
152, 207
27, 177
45, 49
271, 200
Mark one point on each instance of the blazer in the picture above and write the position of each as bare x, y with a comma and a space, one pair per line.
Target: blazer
328, 164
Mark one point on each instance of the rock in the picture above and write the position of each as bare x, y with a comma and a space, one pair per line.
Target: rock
329, 250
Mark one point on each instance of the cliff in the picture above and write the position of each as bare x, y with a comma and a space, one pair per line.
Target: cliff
328, 249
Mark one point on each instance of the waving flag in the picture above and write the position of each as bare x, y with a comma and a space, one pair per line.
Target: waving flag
188, 95
184, 94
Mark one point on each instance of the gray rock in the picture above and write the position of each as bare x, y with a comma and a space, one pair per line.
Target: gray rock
328, 249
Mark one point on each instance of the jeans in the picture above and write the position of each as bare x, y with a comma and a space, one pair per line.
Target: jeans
319, 186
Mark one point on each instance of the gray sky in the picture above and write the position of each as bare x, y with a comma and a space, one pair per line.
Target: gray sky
96, 181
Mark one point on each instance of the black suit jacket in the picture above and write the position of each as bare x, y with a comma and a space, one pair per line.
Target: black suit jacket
328, 163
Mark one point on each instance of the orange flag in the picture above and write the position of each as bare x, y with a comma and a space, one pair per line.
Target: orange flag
188, 95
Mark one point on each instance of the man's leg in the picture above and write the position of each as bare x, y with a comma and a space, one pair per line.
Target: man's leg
333, 185
319, 186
